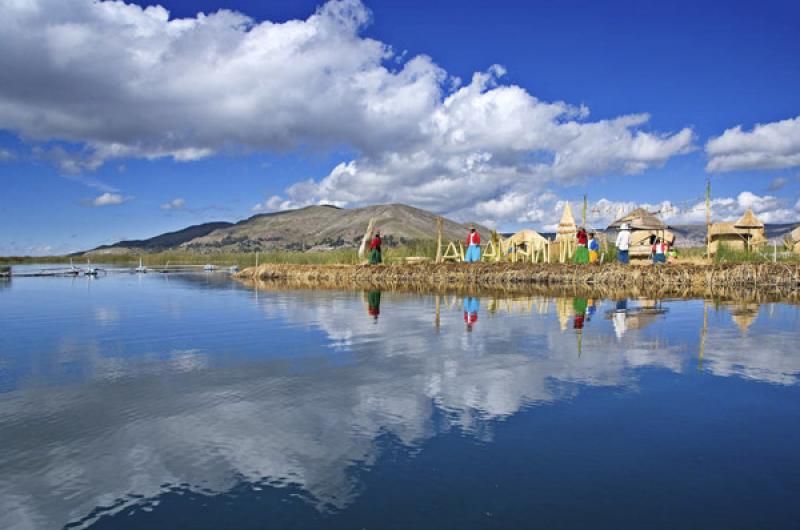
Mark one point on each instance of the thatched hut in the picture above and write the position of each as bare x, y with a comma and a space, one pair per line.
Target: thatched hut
526, 245
567, 229
526, 239
743, 234
795, 235
644, 227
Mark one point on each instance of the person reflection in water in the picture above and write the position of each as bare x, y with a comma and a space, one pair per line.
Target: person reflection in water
374, 304
579, 306
471, 306
620, 315
591, 308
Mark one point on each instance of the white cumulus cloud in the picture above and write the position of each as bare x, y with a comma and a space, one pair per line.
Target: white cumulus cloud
768, 146
175, 204
122, 81
107, 199
544, 211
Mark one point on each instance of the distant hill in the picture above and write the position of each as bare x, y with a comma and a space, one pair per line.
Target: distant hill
310, 228
167, 241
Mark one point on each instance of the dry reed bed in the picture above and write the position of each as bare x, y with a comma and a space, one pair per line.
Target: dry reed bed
744, 281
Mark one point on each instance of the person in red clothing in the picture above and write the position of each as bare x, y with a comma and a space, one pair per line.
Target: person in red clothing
375, 250
582, 237
660, 249
473, 252
581, 251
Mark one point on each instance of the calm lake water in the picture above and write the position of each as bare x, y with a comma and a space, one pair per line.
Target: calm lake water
160, 401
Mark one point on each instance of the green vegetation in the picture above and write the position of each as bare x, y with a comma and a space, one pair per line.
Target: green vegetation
345, 256
766, 254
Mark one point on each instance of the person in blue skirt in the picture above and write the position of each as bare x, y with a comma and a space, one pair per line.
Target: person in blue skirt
473, 252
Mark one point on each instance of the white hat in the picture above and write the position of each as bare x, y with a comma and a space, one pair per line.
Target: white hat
624, 226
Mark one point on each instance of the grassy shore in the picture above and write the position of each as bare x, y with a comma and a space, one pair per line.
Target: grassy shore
685, 280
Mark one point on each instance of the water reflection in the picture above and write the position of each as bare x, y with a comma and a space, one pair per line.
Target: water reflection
294, 388
471, 308
373, 299
638, 316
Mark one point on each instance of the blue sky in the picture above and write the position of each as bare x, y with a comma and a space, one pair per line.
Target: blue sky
121, 123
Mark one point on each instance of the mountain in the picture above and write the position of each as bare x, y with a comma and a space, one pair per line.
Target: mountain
166, 241
309, 228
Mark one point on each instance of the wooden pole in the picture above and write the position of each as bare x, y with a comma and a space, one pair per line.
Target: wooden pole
583, 213
439, 232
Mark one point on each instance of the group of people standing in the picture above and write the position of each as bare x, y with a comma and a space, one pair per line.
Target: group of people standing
472, 254
659, 247
586, 251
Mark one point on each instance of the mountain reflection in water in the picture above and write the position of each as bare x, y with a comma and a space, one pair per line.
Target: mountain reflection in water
114, 392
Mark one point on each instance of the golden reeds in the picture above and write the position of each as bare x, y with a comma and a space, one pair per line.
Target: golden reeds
756, 281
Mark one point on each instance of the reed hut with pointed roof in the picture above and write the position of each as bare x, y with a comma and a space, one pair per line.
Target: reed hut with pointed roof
644, 226
567, 229
744, 234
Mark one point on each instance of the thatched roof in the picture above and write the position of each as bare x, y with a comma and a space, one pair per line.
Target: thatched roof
640, 219
749, 220
525, 236
748, 226
796, 234
567, 223
724, 228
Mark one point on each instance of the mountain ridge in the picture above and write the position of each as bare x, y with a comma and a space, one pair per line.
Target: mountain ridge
316, 227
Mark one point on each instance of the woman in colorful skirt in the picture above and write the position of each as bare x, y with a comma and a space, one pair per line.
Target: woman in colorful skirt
594, 249
473, 252
581, 252
375, 250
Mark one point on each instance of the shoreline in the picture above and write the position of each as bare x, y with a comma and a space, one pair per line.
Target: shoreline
765, 281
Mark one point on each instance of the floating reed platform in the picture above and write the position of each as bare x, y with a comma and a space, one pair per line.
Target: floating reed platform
771, 280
